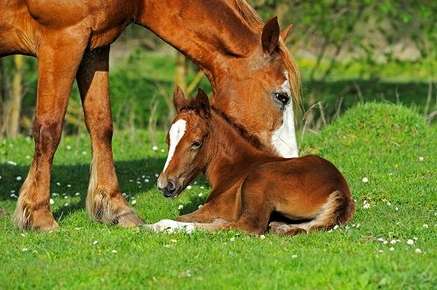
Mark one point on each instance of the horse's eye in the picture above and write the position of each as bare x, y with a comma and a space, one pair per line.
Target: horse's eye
196, 145
282, 98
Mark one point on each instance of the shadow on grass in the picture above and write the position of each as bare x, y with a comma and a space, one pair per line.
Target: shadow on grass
67, 180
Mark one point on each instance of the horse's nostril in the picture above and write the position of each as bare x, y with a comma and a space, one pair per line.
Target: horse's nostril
170, 189
171, 186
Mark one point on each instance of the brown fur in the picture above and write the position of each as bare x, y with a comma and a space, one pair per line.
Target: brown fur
71, 40
249, 184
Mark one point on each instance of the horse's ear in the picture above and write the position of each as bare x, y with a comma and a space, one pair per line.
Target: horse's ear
203, 101
270, 35
286, 32
179, 100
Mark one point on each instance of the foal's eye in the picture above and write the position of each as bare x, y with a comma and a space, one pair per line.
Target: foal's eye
196, 145
282, 98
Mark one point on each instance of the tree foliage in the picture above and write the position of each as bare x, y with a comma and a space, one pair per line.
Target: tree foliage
347, 30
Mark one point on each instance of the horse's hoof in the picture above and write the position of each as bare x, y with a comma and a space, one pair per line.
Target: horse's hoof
112, 209
45, 226
129, 220
40, 220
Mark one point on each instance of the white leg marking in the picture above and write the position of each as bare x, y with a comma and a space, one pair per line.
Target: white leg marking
176, 133
171, 226
284, 138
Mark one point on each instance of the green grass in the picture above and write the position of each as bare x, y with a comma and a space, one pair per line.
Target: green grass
389, 145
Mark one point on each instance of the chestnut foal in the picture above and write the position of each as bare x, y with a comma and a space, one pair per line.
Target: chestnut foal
248, 184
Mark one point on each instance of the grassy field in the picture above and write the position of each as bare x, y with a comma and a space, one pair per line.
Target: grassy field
388, 154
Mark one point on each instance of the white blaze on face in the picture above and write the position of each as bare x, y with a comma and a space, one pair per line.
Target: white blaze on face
177, 131
284, 138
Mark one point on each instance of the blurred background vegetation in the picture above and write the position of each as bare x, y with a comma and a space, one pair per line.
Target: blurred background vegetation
348, 52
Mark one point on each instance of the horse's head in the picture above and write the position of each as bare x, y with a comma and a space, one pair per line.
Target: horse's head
186, 139
258, 90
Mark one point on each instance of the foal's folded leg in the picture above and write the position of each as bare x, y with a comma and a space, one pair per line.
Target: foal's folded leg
206, 214
281, 228
255, 211
104, 200
199, 215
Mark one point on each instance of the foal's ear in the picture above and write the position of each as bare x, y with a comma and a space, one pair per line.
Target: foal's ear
179, 100
270, 35
286, 32
203, 101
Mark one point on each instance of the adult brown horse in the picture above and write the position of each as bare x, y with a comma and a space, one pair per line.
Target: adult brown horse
248, 184
251, 72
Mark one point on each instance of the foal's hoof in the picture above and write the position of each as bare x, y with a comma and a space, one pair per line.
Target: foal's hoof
285, 229
129, 220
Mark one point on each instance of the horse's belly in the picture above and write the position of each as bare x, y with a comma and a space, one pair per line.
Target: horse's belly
54, 13
15, 31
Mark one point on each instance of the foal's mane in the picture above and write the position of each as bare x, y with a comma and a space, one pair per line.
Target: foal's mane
252, 139
193, 106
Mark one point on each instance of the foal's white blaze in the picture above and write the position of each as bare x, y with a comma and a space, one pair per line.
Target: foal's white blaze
176, 133
284, 138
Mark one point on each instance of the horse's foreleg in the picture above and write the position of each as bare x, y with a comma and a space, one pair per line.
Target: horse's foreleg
59, 57
104, 200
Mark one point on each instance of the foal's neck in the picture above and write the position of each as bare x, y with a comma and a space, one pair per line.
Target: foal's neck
231, 152
209, 32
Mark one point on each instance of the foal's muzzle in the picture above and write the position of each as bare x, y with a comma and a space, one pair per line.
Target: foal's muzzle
169, 188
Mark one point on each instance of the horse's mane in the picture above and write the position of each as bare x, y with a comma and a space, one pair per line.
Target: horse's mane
252, 139
253, 20
293, 74
249, 14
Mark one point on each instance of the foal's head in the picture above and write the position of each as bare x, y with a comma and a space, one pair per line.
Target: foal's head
187, 140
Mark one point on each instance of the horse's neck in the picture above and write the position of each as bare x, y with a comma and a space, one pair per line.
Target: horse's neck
209, 32
230, 154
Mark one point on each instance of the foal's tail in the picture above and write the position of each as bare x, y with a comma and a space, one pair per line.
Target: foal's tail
338, 209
